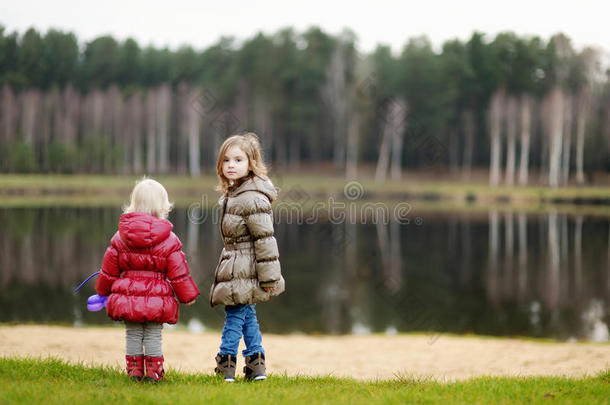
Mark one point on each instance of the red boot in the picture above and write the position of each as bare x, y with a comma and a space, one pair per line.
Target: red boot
135, 367
154, 369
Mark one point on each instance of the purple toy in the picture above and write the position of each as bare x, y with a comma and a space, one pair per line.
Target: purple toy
96, 302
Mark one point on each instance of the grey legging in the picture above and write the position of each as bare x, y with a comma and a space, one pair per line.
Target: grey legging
143, 335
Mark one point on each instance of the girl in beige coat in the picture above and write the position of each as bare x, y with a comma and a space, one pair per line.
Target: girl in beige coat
248, 270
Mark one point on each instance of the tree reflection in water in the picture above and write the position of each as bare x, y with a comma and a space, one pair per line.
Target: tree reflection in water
499, 273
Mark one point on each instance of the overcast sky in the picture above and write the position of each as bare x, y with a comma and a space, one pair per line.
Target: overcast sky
201, 23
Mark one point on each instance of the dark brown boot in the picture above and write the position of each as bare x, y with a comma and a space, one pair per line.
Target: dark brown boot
225, 366
255, 367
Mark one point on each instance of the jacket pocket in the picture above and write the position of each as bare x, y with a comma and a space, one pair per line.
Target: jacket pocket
243, 266
224, 272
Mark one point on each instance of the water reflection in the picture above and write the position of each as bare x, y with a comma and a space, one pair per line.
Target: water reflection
500, 273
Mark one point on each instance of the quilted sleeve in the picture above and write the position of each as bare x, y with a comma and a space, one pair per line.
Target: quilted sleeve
259, 220
180, 278
109, 272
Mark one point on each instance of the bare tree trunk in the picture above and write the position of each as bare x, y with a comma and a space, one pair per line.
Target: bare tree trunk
95, 130
85, 124
468, 121
397, 138
567, 133
30, 101
383, 161
151, 131
51, 103
333, 95
183, 113
545, 106
605, 126
353, 129
526, 114
263, 123
116, 136
127, 138
556, 111
194, 127
281, 149
453, 150
138, 127
358, 113
97, 112
106, 132
393, 122
511, 139
295, 151
8, 114
584, 107
241, 108
496, 108
269, 128
218, 137
163, 111
131, 139
71, 119
60, 111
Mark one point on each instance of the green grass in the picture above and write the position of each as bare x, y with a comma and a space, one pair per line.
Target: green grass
52, 381
99, 190
309, 181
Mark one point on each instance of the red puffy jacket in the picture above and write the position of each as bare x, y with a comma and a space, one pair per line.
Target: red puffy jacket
144, 270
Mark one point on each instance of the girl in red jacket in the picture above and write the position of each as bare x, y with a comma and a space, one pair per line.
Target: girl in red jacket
144, 270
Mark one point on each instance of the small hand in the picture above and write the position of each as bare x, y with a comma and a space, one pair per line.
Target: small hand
190, 303
268, 289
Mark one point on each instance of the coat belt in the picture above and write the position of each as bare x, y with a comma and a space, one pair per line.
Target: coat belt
239, 245
143, 273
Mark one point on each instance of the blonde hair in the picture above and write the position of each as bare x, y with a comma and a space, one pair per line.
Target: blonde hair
149, 197
250, 145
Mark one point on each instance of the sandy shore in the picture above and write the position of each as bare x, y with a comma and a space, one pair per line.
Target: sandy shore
442, 357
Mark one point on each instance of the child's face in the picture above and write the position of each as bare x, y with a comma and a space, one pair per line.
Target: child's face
235, 164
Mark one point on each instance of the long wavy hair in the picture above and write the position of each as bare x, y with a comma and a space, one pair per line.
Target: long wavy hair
250, 145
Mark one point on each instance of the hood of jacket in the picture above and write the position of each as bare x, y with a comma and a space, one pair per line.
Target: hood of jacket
260, 183
141, 230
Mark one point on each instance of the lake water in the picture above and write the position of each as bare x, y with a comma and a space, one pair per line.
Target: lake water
493, 273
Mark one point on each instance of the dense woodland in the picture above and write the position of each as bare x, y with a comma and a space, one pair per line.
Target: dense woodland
511, 104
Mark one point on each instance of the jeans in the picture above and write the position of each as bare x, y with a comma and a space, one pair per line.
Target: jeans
140, 336
241, 320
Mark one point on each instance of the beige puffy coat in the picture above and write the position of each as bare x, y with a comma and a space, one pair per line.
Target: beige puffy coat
250, 257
